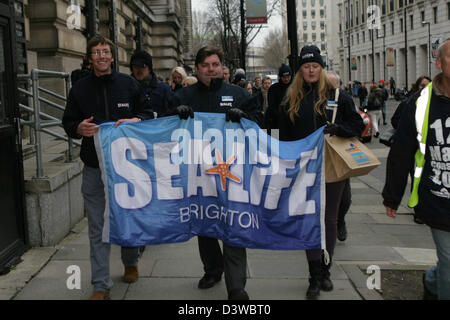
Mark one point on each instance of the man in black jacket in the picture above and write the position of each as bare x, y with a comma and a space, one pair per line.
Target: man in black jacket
158, 93
104, 95
212, 94
275, 96
431, 193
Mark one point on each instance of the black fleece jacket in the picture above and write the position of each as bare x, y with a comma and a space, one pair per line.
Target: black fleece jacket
106, 98
349, 122
217, 98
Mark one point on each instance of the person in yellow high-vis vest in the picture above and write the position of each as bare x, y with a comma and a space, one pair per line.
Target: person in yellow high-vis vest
424, 134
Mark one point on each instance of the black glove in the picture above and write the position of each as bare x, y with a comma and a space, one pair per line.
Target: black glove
331, 128
235, 115
184, 112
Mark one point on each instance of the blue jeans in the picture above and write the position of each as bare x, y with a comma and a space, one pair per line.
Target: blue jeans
437, 279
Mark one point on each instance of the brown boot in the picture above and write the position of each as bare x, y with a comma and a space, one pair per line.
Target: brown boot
131, 274
100, 295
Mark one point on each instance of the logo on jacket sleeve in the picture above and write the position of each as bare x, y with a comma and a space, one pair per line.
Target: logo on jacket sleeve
123, 105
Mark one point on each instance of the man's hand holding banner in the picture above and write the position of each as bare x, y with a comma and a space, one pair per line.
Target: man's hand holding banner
167, 180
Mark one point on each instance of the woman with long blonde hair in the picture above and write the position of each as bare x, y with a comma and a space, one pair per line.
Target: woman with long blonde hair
302, 112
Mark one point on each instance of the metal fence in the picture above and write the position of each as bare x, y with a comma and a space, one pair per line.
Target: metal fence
39, 121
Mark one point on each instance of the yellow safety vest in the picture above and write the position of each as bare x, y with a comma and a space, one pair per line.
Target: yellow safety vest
422, 112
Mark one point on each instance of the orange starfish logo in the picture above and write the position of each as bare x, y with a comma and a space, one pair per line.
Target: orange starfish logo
222, 170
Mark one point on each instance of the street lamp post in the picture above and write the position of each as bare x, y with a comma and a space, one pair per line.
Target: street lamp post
429, 47
384, 56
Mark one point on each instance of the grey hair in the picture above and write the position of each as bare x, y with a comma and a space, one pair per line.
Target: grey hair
338, 78
440, 49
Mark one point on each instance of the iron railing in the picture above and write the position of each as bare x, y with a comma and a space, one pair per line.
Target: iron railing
39, 121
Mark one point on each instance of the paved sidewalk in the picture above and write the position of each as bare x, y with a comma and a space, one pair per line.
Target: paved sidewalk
172, 271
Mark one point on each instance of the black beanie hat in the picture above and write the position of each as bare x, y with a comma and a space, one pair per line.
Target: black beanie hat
141, 59
284, 70
310, 54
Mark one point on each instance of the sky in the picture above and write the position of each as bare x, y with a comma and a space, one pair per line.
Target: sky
273, 23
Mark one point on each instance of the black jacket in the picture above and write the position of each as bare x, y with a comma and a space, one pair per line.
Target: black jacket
218, 98
362, 93
125, 98
275, 97
307, 121
158, 94
432, 209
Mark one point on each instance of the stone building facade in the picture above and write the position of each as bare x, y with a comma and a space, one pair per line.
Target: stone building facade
57, 31
412, 54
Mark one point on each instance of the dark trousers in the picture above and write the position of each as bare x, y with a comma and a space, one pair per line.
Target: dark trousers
346, 201
333, 199
233, 262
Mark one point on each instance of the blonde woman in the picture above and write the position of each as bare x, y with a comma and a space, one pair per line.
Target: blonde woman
178, 75
302, 112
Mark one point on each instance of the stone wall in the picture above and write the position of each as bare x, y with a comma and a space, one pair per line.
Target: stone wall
166, 28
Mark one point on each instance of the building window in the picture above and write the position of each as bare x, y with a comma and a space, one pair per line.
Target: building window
422, 16
364, 36
304, 3
435, 14
305, 25
357, 38
322, 13
322, 36
363, 5
305, 37
322, 25
401, 25
383, 7
353, 42
357, 12
391, 5
305, 14
400, 3
448, 10
314, 37
321, 3
392, 28
323, 47
411, 1
313, 3
384, 30
313, 14
411, 21
313, 25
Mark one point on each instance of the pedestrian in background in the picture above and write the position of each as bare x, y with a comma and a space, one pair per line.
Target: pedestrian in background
189, 80
392, 86
158, 93
362, 95
385, 97
178, 75
247, 85
275, 96
263, 99
422, 135
208, 95
226, 74
257, 82
105, 95
304, 111
374, 106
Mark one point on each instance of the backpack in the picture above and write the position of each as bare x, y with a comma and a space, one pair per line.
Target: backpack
374, 102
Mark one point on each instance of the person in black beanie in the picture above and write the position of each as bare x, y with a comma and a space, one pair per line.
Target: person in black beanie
157, 93
303, 111
276, 95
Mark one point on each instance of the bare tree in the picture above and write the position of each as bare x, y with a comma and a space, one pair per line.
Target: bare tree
203, 30
275, 48
227, 25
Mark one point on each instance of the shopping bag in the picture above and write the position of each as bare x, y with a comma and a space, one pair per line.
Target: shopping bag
347, 157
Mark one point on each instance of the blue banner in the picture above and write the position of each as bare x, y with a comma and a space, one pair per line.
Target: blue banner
167, 180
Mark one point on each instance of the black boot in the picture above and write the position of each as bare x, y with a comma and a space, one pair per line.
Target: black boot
326, 284
315, 273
